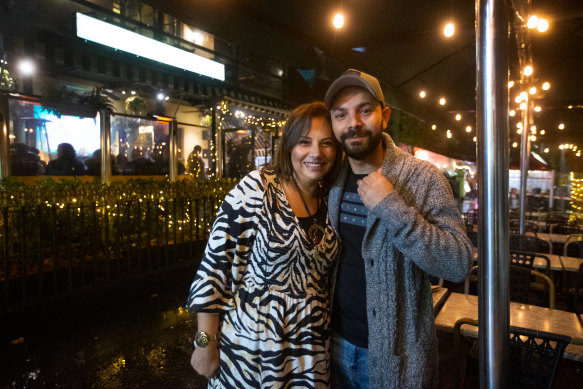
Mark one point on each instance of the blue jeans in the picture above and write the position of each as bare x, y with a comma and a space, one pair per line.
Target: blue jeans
349, 364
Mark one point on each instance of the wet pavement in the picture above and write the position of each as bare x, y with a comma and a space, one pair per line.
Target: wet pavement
134, 334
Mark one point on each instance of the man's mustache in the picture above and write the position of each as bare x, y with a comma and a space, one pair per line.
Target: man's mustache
355, 132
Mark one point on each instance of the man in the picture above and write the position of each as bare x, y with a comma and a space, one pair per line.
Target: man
398, 223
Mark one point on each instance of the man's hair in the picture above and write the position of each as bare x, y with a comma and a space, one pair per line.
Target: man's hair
298, 125
67, 151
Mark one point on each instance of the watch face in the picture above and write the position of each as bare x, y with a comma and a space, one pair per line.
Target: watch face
201, 339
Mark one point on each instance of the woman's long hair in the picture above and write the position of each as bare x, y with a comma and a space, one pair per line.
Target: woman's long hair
298, 125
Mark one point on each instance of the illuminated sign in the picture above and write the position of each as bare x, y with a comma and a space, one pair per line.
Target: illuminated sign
98, 31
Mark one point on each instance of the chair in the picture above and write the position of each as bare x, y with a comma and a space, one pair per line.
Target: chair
521, 288
577, 306
573, 246
533, 356
529, 226
529, 243
470, 218
527, 259
565, 229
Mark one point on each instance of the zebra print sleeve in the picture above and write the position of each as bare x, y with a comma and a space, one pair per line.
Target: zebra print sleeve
228, 248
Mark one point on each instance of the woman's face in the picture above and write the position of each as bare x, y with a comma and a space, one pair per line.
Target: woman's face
313, 156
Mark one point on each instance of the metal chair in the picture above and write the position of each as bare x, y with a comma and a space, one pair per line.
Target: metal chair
533, 356
573, 246
521, 288
577, 306
529, 226
529, 243
565, 229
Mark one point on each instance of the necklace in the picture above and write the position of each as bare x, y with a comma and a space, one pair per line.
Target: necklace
316, 231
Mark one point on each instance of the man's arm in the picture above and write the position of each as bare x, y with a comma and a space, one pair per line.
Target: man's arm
437, 241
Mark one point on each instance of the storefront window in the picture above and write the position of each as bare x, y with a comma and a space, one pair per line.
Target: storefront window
44, 143
139, 146
238, 153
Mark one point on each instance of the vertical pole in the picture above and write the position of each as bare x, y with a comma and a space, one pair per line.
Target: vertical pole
552, 191
492, 127
105, 133
173, 150
217, 161
524, 157
4, 137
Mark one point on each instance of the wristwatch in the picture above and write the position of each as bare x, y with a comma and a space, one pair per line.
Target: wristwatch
201, 339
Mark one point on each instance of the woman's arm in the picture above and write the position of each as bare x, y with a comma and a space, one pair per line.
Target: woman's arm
205, 360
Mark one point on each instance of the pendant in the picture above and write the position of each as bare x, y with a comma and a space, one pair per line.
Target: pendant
316, 233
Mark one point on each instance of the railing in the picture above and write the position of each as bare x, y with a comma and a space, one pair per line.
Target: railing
55, 248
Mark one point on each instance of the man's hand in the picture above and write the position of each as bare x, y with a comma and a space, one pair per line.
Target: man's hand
373, 188
206, 360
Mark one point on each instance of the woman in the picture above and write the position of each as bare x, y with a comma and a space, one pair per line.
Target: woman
261, 292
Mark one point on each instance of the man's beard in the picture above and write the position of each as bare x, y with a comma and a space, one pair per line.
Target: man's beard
366, 148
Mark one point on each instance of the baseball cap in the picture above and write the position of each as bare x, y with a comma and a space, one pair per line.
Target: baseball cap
353, 77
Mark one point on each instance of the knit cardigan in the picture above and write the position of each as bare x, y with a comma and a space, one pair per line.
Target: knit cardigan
414, 231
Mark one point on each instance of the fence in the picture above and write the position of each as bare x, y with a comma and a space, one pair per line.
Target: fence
98, 233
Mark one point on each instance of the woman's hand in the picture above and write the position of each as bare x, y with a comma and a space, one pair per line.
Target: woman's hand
206, 360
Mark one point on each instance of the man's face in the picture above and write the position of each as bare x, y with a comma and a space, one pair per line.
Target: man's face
358, 121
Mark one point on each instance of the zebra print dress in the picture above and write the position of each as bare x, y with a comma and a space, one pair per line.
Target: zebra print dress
270, 285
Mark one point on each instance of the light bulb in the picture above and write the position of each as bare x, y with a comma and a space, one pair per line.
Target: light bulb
338, 21
449, 30
532, 22
542, 25
528, 70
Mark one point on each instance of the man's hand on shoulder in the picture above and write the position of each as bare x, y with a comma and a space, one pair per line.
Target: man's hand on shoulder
373, 188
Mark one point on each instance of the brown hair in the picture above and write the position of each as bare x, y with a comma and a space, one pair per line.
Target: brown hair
298, 125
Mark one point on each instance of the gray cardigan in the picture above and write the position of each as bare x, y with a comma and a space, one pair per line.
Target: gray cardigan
414, 231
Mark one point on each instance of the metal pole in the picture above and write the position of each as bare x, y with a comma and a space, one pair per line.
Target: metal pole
492, 127
217, 162
4, 137
105, 133
524, 157
552, 191
173, 150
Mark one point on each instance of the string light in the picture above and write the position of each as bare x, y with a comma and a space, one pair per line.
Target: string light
449, 30
338, 21
442, 101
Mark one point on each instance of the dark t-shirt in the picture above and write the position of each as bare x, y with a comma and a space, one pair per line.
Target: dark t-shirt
349, 311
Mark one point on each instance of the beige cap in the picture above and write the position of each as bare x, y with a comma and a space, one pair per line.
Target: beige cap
353, 77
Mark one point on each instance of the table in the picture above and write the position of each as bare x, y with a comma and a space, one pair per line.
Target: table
439, 296
539, 263
552, 238
571, 263
460, 305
